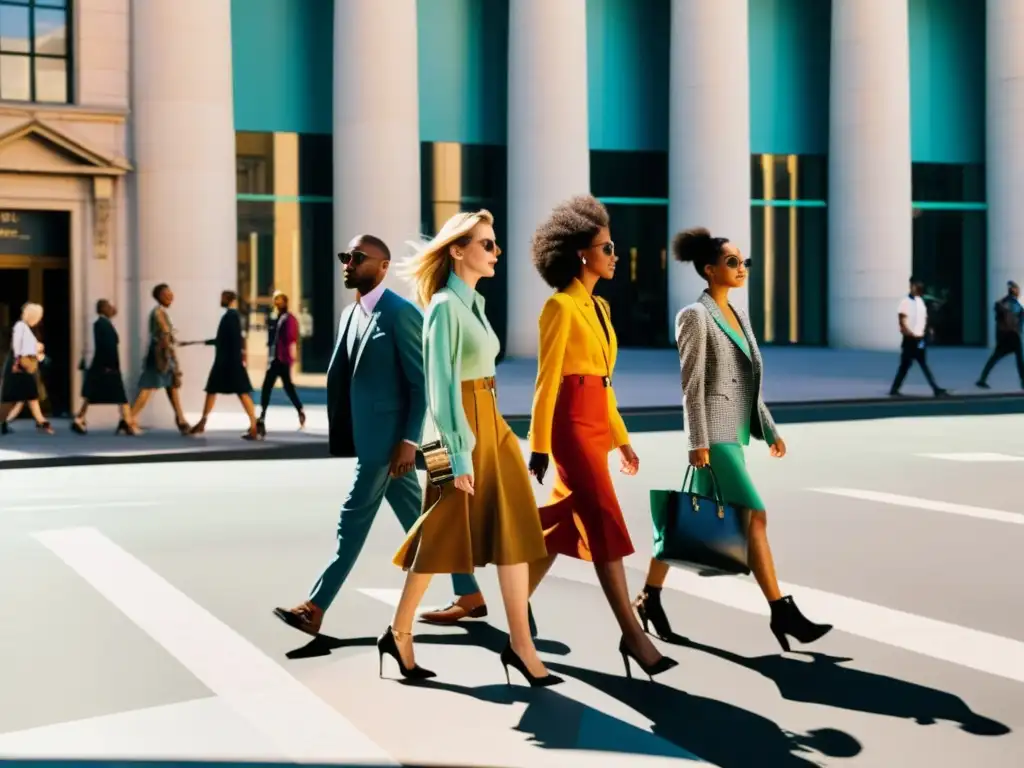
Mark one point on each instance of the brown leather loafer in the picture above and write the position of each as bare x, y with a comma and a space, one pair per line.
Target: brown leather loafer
305, 618
464, 607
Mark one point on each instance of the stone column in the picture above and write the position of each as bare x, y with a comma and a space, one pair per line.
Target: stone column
1004, 147
709, 134
870, 236
184, 153
548, 142
376, 130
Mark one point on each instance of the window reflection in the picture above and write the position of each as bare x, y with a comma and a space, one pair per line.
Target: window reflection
34, 51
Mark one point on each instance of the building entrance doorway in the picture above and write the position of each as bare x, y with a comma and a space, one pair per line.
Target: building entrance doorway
44, 280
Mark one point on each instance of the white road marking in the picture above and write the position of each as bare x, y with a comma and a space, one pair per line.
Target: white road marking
91, 505
982, 513
203, 729
981, 457
299, 724
970, 648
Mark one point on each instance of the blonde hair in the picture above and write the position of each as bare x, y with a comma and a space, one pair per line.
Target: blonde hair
430, 266
31, 314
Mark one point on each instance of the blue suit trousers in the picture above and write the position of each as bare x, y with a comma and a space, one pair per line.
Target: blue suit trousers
373, 485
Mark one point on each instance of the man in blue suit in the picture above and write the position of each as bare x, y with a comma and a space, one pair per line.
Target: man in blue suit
376, 404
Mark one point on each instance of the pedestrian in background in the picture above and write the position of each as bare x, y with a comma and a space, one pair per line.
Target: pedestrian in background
722, 370
21, 370
1009, 328
228, 375
912, 315
282, 343
160, 369
103, 384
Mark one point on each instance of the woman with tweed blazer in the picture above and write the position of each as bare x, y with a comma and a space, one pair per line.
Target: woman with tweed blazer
722, 372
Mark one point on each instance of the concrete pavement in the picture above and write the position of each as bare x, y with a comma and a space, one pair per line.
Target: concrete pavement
138, 612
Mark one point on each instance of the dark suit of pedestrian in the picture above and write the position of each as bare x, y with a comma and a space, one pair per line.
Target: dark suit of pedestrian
376, 397
103, 384
228, 375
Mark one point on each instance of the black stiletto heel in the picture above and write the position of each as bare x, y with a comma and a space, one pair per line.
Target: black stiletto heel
661, 665
387, 643
510, 658
649, 609
787, 620
78, 429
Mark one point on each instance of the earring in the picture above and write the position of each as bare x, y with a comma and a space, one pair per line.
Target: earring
583, 259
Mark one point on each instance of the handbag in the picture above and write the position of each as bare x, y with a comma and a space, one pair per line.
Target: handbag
28, 364
698, 531
437, 461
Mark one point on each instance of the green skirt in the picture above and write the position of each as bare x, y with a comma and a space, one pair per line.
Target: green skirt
734, 483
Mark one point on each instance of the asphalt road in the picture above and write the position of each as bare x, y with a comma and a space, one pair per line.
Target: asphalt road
137, 604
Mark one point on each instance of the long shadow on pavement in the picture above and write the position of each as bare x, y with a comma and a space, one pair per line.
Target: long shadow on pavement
477, 634
688, 727
824, 680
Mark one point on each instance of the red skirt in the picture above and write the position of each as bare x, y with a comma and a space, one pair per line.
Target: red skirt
582, 519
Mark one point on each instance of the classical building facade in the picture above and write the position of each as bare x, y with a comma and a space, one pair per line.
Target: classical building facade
210, 144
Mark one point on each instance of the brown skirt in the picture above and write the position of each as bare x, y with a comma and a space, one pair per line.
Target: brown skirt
499, 523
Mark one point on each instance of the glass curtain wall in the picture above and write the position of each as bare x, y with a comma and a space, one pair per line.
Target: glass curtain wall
285, 233
950, 249
789, 247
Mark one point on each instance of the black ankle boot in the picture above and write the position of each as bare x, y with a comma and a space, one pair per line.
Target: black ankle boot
787, 620
648, 608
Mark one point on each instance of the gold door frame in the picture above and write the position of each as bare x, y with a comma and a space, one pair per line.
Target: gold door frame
35, 265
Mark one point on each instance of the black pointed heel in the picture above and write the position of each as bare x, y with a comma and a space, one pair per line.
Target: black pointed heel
123, 428
649, 609
78, 429
387, 644
510, 658
788, 620
661, 665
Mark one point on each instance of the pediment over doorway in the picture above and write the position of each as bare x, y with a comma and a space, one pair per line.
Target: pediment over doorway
37, 148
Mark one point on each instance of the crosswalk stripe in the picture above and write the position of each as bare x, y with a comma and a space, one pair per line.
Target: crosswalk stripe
894, 499
966, 647
972, 457
300, 725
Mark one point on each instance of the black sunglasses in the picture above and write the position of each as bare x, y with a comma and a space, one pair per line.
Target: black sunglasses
607, 248
355, 257
732, 262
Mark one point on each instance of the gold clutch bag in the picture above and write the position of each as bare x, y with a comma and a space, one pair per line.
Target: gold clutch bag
437, 462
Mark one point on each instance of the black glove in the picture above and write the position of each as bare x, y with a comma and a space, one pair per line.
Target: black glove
538, 466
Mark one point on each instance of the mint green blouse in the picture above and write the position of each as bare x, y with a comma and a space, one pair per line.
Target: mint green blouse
458, 345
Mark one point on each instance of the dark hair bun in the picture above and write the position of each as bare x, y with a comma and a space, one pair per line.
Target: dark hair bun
692, 244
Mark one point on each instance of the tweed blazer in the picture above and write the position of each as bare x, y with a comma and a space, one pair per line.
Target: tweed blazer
721, 383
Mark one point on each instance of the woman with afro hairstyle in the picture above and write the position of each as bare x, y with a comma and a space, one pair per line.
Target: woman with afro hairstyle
576, 418
721, 374
488, 513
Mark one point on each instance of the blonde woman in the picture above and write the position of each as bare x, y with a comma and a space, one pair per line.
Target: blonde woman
488, 513
21, 370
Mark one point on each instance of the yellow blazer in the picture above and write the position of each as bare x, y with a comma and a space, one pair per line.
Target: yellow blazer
572, 342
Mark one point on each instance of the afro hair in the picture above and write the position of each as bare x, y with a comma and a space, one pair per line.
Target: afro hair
569, 229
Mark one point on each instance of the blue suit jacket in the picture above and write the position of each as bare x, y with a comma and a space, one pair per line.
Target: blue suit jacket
377, 398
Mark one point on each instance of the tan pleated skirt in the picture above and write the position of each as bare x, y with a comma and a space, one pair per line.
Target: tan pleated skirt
499, 523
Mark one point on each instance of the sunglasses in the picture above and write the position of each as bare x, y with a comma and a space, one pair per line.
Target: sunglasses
488, 245
732, 262
353, 257
608, 249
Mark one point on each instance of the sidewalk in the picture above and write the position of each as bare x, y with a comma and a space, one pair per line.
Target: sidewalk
801, 384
